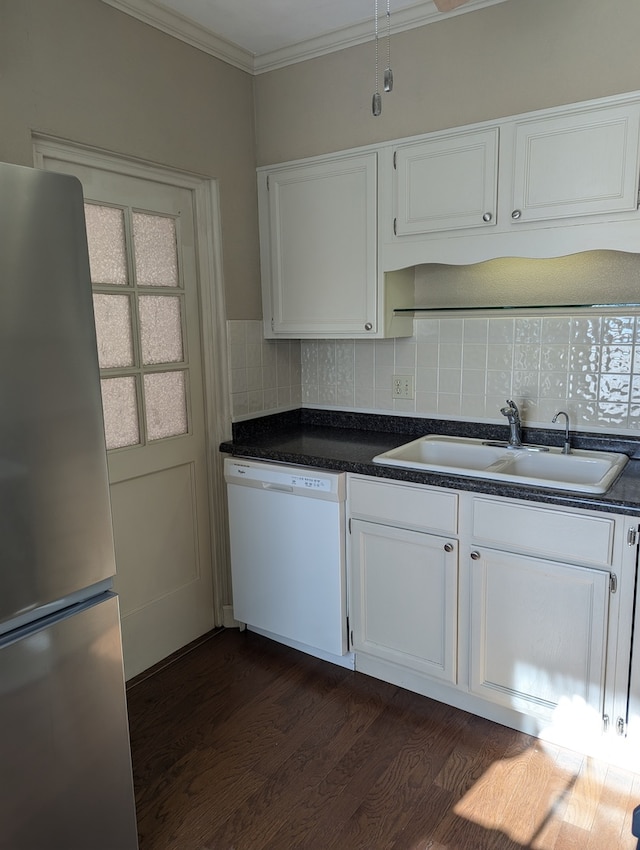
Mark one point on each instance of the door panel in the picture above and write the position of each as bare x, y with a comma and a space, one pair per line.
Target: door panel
141, 237
167, 500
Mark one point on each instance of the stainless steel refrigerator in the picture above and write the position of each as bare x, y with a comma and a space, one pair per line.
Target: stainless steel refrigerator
65, 764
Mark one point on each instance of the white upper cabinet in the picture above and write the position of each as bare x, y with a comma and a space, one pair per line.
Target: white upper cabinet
340, 234
318, 235
578, 164
543, 184
447, 182
322, 219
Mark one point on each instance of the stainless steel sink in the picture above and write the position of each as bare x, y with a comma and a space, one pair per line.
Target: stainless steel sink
581, 471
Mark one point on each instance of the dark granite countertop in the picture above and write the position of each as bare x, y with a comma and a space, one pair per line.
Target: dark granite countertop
348, 442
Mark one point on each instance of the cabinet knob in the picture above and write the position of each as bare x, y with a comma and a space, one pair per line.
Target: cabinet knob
475, 556
516, 214
448, 547
368, 326
487, 217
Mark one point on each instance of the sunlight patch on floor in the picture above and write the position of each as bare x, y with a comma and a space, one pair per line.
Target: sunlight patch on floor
499, 800
571, 790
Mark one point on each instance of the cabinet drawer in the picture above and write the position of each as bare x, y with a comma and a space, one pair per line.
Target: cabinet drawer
550, 533
402, 505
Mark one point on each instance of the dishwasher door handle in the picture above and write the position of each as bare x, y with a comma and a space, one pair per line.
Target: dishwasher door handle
283, 488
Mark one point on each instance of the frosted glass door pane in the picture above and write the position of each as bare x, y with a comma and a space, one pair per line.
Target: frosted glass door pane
140, 329
154, 239
160, 329
107, 250
113, 329
165, 404
120, 408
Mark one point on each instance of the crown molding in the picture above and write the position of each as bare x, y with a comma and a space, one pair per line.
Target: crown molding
404, 19
152, 13
158, 16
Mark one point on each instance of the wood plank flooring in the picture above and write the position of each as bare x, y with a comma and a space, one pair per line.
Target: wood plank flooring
244, 744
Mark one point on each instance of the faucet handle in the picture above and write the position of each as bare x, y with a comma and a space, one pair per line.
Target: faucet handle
511, 409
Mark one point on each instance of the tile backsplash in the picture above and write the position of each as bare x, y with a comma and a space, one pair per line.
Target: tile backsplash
264, 374
463, 368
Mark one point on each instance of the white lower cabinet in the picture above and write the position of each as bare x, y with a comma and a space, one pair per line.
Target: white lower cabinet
404, 599
634, 681
540, 585
517, 611
538, 632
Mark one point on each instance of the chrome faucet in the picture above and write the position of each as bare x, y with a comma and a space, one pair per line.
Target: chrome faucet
566, 449
513, 415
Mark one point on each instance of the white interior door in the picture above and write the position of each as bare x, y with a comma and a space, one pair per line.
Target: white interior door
144, 277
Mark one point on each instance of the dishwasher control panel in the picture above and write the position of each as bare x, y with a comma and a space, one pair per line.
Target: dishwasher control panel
270, 476
310, 483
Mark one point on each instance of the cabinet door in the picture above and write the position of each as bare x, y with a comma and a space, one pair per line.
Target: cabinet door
633, 729
538, 633
322, 242
447, 183
578, 164
403, 605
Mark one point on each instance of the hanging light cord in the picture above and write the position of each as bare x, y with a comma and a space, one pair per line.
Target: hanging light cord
388, 73
388, 33
376, 104
376, 4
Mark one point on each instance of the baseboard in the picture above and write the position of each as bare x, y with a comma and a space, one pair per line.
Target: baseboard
228, 620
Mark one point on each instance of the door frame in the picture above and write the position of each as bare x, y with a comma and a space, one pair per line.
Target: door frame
213, 325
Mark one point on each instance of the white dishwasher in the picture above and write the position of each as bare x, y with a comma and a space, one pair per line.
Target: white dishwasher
287, 531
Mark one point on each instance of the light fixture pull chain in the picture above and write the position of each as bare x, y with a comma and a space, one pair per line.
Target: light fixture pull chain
388, 73
376, 103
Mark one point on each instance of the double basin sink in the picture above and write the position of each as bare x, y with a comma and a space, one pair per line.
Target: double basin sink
580, 471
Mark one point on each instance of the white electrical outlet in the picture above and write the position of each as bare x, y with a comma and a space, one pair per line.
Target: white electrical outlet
403, 386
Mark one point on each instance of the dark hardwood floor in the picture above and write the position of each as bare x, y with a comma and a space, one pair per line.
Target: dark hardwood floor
244, 744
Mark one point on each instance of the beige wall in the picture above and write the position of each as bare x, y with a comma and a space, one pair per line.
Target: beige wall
509, 58
81, 70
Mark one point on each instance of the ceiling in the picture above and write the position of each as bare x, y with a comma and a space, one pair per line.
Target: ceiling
261, 35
